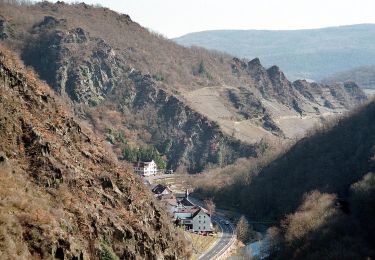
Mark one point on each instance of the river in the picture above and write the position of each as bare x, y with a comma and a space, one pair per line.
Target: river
254, 250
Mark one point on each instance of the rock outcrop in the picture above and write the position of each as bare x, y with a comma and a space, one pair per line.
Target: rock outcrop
63, 195
108, 65
300, 95
101, 77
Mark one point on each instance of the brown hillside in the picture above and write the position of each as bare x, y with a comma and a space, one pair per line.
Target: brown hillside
209, 107
63, 194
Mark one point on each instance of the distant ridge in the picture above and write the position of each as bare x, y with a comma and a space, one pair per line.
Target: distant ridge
364, 76
309, 53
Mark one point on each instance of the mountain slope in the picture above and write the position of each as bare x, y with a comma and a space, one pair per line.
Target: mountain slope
363, 76
308, 54
320, 193
63, 195
329, 160
198, 108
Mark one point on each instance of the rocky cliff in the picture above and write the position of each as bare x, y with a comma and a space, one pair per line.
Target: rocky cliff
63, 194
209, 107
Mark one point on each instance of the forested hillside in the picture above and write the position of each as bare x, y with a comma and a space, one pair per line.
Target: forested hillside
322, 190
303, 54
363, 76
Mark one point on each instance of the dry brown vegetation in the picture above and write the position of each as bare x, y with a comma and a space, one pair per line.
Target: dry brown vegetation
210, 183
315, 211
324, 227
63, 194
148, 52
24, 204
125, 80
321, 190
114, 67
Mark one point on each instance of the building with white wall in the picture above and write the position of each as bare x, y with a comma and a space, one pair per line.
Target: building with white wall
145, 168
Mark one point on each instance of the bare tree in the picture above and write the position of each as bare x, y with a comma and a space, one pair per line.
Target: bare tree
210, 205
243, 230
17, 2
274, 240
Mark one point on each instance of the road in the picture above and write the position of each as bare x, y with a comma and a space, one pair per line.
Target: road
225, 240
227, 230
227, 233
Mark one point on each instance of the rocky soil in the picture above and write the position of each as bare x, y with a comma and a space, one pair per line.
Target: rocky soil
63, 194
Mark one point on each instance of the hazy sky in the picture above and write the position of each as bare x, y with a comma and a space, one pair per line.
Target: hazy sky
174, 18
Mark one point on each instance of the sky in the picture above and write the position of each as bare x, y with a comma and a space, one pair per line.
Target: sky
173, 18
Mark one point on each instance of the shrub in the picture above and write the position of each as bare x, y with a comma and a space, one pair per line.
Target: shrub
107, 252
158, 77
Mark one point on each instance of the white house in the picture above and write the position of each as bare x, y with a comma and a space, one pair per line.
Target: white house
195, 219
192, 217
202, 221
145, 168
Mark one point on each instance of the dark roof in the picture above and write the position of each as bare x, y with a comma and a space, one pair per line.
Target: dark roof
196, 213
190, 210
185, 202
200, 209
158, 189
141, 164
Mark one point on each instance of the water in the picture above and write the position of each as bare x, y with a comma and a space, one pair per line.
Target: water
254, 250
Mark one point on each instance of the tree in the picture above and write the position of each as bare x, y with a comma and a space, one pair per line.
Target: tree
202, 71
201, 68
272, 242
210, 205
143, 153
242, 230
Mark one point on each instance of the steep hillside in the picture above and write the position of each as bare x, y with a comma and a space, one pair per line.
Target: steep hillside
329, 160
63, 195
198, 108
307, 54
320, 193
363, 76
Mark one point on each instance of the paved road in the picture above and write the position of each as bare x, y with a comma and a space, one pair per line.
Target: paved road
224, 241
226, 236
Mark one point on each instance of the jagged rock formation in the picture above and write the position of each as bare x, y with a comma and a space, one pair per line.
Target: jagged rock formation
299, 95
104, 74
85, 78
200, 102
63, 195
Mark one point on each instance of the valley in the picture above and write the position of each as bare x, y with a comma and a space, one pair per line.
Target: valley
204, 108
91, 102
